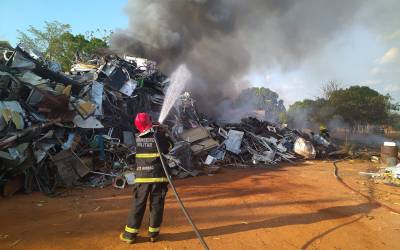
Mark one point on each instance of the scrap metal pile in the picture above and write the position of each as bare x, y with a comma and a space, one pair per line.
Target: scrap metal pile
248, 143
65, 129
59, 129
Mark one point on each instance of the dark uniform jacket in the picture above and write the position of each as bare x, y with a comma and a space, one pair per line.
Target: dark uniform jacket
148, 163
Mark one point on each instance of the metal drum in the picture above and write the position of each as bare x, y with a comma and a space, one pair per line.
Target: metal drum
389, 151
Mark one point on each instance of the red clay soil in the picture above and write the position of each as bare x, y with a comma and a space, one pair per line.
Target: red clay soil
291, 207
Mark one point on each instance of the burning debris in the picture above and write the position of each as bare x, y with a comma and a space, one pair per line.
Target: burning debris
250, 142
64, 129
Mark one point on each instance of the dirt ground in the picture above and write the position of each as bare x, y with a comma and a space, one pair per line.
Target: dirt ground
292, 207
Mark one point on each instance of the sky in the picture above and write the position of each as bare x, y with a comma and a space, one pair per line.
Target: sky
82, 15
365, 52
357, 57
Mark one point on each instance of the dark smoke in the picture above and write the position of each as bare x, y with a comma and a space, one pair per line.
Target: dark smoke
221, 40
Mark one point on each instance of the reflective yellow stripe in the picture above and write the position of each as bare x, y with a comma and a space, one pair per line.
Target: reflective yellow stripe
154, 229
131, 230
149, 155
147, 180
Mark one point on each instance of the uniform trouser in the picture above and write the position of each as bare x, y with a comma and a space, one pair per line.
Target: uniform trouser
141, 191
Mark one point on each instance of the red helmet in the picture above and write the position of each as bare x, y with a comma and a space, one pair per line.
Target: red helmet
143, 122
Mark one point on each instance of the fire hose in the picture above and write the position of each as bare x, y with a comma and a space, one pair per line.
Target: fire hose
370, 199
178, 199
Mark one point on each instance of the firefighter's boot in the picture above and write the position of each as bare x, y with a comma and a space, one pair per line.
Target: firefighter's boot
153, 233
153, 237
129, 235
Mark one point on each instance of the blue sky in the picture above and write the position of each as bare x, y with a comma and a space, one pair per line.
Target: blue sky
367, 52
83, 15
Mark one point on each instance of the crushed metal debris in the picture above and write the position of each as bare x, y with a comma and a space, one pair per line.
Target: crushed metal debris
65, 129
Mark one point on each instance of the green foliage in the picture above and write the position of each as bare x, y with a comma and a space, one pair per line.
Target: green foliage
103, 34
309, 113
361, 105
58, 44
71, 44
394, 120
261, 99
283, 118
45, 40
356, 105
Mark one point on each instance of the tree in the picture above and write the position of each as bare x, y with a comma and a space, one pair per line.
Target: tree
360, 105
394, 120
71, 44
46, 40
353, 106
262, 99
329, 88
57, 43
309, 113
299, 114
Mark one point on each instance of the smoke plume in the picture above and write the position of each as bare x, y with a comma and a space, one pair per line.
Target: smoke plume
221, 40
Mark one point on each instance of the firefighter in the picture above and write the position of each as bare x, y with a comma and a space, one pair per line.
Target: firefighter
150, 179
324, 132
